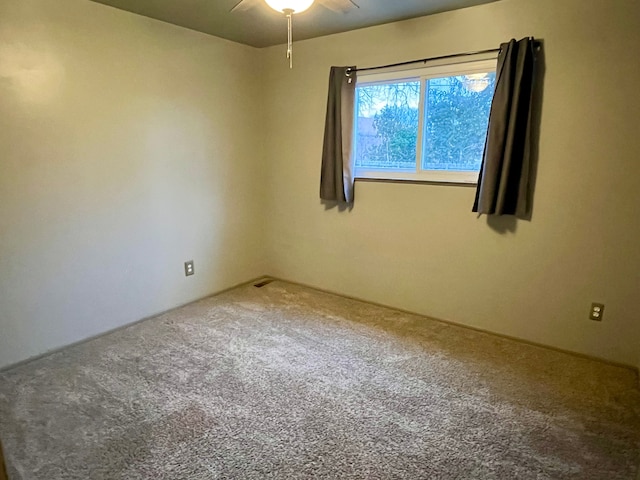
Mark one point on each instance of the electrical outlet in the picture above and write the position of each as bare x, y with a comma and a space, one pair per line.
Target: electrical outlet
597, 310
188, 268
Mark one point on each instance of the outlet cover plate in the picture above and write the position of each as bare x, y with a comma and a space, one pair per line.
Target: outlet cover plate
597, 311
189, 268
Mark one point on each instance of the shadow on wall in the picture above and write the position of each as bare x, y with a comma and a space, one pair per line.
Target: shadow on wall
502, 224
330, 204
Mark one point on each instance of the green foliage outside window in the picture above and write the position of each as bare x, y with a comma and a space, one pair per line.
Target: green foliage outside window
455, 124
396, 127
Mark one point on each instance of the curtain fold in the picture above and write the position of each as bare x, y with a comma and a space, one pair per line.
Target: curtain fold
336, 179
503, 184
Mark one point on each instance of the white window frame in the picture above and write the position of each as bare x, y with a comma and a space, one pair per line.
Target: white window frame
422, 73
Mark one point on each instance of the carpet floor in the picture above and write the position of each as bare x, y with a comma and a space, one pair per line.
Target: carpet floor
285, 382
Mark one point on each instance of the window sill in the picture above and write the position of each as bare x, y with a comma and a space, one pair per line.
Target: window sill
464, 179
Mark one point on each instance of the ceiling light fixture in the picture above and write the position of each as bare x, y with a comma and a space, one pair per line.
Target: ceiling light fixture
289, 7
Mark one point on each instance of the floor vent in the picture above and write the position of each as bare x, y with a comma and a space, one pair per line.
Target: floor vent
262, 283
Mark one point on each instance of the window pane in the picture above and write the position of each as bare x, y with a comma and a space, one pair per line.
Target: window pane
456, 119
387, 126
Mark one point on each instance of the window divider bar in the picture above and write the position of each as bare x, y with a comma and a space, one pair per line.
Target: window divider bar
422, 105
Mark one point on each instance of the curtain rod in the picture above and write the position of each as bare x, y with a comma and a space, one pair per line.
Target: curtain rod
430, 59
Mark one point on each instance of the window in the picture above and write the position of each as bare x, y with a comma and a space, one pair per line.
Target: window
425, 124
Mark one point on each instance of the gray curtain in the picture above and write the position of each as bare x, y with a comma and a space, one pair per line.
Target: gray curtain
336, 179
503, 185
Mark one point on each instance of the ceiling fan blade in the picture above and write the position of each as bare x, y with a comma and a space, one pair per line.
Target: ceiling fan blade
342, 6
244, 5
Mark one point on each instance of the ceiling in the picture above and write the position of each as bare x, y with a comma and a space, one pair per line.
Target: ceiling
263, 27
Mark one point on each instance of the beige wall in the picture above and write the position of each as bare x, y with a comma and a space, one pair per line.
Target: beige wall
419, 247
127, 146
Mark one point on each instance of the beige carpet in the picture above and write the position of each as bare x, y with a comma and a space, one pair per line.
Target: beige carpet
284, 382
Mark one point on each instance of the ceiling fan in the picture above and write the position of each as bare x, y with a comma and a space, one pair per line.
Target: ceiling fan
297, 6
291, 7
